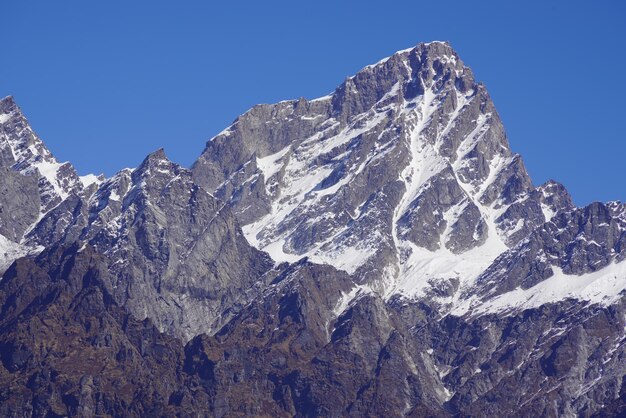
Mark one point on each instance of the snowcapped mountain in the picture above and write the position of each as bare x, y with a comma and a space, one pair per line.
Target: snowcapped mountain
403, 177
23, 151
33, 182
379, 251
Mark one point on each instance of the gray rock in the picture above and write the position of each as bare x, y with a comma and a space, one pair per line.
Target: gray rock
415, 216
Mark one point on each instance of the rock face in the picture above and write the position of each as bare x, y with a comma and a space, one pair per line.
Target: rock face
69, 350
176, 254
411, 268
32, 182
406, 159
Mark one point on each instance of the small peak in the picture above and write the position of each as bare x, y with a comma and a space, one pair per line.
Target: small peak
445, 44
155, 158
8, 106
157, 155
7, 99
156, 161
551, 185
431, 51
433, 47
556, 196
437, 49
89, 179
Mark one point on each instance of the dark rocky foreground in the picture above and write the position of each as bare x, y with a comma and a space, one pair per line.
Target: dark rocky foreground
68, 348
417, 270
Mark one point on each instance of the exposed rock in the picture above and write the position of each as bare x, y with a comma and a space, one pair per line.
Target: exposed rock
424, 274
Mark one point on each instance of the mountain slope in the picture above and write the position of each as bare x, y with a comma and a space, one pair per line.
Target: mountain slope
416, 269
175, 253
403, 176
32, 181
68, 349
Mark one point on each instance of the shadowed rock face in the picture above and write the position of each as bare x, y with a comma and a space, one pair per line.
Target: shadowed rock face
425, 275
68, 349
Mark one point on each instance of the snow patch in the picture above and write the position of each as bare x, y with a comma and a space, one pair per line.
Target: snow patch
270, 165
89, 179
346, 298
605, 286
11, 251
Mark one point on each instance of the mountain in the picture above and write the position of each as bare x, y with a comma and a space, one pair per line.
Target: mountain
403, 177
176, 254
379, 251
32, 182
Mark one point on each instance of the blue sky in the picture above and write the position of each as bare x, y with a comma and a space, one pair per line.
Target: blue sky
105, 83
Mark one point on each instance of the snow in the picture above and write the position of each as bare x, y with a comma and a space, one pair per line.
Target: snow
11, 251
518, 227
275, 250
346, 298
311, 117
89, 179
322, 99
604, 286
448, 58
49, 170
299, 190
270, 165
424, 163
4, 117
470, 142
348, 258
114, 195
421, 269
548, 212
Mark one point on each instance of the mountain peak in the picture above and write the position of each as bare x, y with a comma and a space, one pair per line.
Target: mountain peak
157, 155
157, 158
8, 108
156, 162
7, 100
464, 290
407, 161
23, 151
441, 50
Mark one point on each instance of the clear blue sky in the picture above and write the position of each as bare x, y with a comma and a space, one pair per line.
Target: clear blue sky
106, 82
